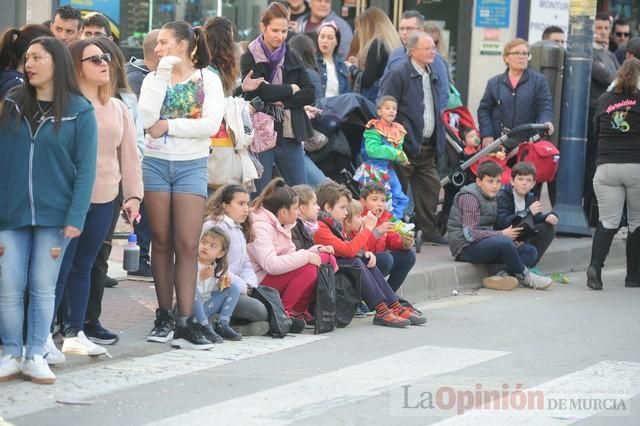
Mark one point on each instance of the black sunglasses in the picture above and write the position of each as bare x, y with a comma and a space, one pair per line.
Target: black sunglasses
97, 59
621, 34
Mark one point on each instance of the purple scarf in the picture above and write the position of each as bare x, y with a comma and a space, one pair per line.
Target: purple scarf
274, 60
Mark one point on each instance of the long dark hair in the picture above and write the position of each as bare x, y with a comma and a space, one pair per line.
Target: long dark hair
222, 264
64, 83
219, 36
304, 46
76, 49
275, 196
215, 207
15, 41
197, 41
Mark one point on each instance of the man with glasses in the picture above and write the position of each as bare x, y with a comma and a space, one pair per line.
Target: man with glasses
96, 25
413, 83
620, 34
65, 24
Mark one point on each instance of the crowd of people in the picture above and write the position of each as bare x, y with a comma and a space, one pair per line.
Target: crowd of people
199, 147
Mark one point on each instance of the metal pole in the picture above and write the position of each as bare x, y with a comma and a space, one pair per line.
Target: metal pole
573, 130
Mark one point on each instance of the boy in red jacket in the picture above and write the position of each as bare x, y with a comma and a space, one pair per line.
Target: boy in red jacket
390, 243
333, 200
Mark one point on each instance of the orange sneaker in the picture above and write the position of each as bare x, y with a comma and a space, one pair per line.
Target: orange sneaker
390, 319
410, 314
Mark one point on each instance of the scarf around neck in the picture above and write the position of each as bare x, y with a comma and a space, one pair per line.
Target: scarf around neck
335, 227
274, 59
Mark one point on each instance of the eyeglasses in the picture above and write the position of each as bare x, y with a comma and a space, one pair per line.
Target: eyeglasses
621, 34
401, 29
97, 59
521, 54
428, 49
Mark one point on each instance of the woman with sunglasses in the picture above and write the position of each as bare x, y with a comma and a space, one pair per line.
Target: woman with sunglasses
517, 96
181, 107
48, 142
117, 161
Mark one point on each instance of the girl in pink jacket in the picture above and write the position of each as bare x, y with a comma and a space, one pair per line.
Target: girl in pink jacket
277, 263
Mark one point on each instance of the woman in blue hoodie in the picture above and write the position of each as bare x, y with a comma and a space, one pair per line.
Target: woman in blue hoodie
48, 142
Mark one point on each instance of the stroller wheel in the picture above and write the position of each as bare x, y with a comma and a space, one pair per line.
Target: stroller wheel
418, 240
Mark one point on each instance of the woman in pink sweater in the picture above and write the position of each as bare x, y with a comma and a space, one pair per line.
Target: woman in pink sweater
276, 262
117, 162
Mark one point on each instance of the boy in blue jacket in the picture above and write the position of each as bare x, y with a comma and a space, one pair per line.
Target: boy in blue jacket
517, 200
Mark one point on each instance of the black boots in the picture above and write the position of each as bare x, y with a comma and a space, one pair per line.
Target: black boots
633, 259
599, 249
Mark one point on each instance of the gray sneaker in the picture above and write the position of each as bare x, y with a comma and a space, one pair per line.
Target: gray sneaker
535, 281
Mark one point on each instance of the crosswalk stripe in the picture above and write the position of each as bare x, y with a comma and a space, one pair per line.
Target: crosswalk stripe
607, 379
20, 398
292, 402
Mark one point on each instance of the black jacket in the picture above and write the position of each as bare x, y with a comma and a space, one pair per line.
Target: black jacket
300, 238
294, 72
507, 208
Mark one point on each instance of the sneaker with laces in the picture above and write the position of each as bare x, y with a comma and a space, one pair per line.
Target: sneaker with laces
228, 333
534, 281
209, 334
100, 335
390, 319
410, 314
163, 327
190, 337
10, 368
52, 354
37, 371
80, 345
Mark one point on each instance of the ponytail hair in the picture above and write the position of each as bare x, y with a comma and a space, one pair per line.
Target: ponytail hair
215, 208
628, 77
14, 44
197, 49
275, 196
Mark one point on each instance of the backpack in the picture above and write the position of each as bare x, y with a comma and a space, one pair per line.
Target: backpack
279, 321
544, 156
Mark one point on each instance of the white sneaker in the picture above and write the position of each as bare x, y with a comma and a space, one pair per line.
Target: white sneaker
10, 368
535, 281
52, 354
80, 345
37, 370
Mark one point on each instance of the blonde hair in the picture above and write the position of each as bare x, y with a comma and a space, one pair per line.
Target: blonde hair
513, 43
354, 208
374, 24
306, 194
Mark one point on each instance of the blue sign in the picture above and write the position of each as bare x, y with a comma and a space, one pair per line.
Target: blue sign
109, 8
493, 13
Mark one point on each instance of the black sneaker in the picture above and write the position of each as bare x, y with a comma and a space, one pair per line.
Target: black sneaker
143, 273
110, 282
190, 337
163, 327
227, 332
297, 325
99, 335
209, 334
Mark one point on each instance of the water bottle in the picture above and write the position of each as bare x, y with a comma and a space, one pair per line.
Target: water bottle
131, 258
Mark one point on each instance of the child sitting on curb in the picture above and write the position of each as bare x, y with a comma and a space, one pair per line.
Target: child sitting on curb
390, 242
333, 200
472, 238
517, 201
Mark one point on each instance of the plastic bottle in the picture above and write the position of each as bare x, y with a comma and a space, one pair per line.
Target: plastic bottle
131, 257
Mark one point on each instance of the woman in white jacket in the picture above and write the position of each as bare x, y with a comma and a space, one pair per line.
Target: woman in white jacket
181, 106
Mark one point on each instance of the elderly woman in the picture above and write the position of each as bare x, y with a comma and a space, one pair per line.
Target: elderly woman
518, 96
617, 126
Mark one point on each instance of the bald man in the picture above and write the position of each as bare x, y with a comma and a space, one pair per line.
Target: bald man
137, 69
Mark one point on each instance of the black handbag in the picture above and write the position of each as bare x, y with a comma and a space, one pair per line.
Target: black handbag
325, 304
279, 321
348, 288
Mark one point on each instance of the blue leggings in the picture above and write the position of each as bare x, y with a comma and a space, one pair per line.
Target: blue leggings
219, 302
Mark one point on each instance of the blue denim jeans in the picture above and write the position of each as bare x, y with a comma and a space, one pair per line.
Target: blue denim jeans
500, 249
218, 302
30, 259
396, 265
315, 176
74, 279
288, 156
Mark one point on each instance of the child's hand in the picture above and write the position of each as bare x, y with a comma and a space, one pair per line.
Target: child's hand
372, 259
385, 227
314, 258
552, 219
511, 232
500, 155
407, 241
536, 207
370, 221
326, 249
206, 273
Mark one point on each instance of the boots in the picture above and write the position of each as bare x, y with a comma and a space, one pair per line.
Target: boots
599, 250
633, 259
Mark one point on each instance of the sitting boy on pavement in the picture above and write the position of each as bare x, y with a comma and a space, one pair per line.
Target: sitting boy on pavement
473, 239
516, 201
